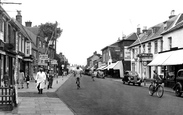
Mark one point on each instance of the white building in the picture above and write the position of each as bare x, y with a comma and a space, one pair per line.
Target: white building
151, 42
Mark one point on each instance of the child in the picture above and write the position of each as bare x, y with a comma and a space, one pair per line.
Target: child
27, 80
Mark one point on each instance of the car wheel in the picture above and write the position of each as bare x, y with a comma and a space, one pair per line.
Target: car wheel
177, 91
139, 84
133, 83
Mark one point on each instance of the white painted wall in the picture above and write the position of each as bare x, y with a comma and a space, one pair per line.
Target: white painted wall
177, 39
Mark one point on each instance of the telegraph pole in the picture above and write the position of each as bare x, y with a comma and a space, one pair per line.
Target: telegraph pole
9, 3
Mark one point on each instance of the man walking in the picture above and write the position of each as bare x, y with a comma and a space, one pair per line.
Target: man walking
40, 80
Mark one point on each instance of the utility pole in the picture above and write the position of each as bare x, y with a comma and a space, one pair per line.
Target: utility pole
9, 3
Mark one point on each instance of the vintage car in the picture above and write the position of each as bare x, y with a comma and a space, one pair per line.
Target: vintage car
178, 87
131, 77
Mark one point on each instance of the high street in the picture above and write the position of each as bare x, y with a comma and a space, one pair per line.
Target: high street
109, 97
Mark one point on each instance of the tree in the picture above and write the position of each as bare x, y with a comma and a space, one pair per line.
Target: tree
49, 31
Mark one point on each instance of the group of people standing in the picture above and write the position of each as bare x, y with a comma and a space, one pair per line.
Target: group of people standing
40, 79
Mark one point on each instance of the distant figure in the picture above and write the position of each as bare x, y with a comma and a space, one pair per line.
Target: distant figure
6, 79
78, 75
40, 80
27, 80
50, 79
21, 79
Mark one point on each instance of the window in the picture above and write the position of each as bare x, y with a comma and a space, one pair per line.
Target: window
20, 41
144, 49
23, 45
139, 49
170, 42
165, 25
40, 44
155, 47
28, 48
1, 25
161, 49
43, 45
149, 47
133, 53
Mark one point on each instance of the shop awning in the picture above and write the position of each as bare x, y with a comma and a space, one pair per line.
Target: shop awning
101, 67
175, 59
160, 58
117, 65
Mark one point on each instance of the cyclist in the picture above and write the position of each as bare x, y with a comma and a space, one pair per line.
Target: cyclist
78, 76
156, 78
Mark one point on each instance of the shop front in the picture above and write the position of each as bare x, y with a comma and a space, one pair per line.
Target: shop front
170, 62
144, 60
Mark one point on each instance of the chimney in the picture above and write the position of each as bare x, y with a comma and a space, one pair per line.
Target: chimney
19, 16
144, 29
172, 14
138, 29
28, 24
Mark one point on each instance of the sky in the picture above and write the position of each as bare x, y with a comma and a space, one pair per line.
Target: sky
90, 25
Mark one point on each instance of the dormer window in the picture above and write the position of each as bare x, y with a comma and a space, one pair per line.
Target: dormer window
165, 25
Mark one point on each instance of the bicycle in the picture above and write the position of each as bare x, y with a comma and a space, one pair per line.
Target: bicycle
78, 82
159, 89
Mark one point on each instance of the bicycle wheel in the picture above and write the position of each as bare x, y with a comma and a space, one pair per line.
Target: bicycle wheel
160, 91
151, 90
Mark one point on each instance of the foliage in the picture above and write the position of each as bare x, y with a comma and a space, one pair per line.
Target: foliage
49, 31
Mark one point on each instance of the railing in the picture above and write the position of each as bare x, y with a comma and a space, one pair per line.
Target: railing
7, 98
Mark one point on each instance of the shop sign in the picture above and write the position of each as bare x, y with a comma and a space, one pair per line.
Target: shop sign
42, 62
127, 54
54, 62
43, 57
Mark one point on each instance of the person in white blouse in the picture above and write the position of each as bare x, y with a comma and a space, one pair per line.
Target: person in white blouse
40, 80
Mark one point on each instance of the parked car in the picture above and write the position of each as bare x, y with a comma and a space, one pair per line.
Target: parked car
131, 77
101, 74
178, 87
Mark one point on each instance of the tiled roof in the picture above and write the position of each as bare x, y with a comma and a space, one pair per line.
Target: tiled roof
21, 28
176, 27
132, 36
34, 30
144, 37
27, 33
112, 45
32, 36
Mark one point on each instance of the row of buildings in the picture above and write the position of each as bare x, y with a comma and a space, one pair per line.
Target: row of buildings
22, 48
159, 47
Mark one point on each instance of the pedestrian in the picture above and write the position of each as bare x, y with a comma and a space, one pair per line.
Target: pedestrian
50, 79
40, 80
6, 79
27, 80
78, 76
21, 79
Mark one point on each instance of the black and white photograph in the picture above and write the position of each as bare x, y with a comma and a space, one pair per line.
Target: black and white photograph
91, 57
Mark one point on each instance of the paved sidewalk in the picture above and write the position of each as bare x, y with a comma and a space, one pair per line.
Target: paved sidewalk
32, 103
